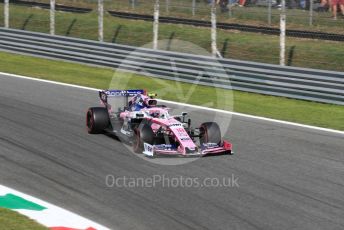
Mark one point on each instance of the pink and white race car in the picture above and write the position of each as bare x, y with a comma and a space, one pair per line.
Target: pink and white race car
136, 118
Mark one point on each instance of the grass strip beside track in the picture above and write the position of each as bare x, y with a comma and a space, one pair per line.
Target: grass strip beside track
310, 113
250, 15
11, 220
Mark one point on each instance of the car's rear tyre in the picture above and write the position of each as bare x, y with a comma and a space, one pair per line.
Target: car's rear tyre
143, 134
210, 133
97, 119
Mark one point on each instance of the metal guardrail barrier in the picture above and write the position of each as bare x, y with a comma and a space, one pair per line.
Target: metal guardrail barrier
291, 82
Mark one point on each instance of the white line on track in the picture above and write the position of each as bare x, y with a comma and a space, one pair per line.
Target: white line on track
192, 106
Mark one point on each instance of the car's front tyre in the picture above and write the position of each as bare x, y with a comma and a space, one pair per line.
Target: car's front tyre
210, 133
143, 134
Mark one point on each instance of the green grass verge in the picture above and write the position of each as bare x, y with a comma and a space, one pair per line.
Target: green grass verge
311, 113
232, 44
11, 220
251, 15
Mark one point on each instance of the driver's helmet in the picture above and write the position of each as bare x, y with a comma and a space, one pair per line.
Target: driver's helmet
140, 102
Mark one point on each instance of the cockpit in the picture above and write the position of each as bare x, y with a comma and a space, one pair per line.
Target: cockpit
160, 113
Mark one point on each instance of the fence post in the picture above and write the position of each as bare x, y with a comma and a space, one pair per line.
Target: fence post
52, 17
101, 20
156, 25
167, 6
269, 11
193, 7
6, 14
282, 34
230, 14
311, 12
133, 4
213, 29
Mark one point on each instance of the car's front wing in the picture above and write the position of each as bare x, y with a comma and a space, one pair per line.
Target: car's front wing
204, 150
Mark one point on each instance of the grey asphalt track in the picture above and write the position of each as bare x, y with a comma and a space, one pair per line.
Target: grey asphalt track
289, 177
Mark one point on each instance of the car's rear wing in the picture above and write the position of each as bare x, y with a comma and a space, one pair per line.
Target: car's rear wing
104, 94
123, 93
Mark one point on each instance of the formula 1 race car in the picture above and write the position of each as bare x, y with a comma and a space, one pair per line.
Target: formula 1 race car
136, 118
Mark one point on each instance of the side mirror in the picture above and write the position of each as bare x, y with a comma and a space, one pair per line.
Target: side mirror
184, 114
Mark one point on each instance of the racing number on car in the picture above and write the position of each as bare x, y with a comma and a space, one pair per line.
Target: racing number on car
182, 132
148, 149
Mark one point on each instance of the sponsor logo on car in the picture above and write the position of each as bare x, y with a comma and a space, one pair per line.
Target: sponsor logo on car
175, 124
185, 139
209, 146
165, 147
